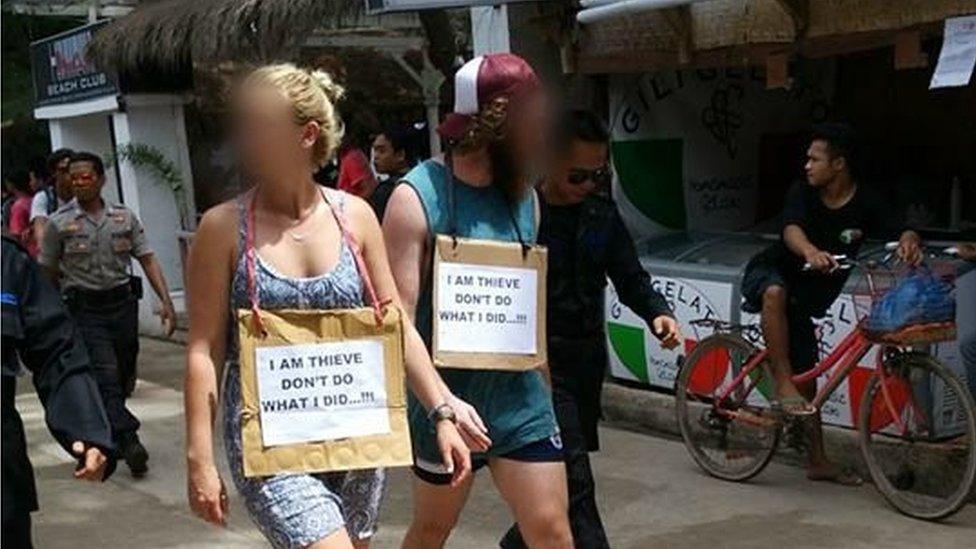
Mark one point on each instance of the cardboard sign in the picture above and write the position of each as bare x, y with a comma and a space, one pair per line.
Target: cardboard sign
322, 391
489, 305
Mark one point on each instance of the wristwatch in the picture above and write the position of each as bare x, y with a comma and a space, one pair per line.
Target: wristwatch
442, 412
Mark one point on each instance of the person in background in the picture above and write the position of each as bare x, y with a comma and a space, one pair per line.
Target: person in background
496, 137
39, 334
965, 312
356, 174
832, 214
8, 202
37, 170
55, 193
19, 224
587, 242
87, 250
393, 156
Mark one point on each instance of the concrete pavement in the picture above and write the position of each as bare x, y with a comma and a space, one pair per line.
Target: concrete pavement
650, 493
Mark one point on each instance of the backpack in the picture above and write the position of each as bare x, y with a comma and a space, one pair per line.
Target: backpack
52, 199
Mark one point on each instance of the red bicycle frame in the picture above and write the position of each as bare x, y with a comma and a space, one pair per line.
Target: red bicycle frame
844, 358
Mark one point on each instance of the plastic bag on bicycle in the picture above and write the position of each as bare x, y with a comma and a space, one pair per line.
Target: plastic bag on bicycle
919, 298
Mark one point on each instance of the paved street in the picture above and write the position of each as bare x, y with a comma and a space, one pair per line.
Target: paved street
650, 493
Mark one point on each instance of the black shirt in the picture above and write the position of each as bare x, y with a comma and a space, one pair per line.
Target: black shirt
558, 232
836, 231
587, 244
38, 333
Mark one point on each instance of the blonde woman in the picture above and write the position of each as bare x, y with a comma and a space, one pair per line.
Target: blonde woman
285, 127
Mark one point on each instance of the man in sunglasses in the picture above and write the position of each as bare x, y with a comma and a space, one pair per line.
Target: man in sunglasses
87, 249
587, 243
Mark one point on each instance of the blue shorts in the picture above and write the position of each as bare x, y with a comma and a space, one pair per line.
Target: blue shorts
549, 449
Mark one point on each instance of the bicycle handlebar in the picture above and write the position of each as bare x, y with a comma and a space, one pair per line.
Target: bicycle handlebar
845, 263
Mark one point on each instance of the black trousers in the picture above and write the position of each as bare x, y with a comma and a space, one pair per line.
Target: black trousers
576, 401
17, 530
111, 334
17, 478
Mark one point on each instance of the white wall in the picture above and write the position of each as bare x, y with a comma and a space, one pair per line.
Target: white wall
156, 120
719, 116
90, 133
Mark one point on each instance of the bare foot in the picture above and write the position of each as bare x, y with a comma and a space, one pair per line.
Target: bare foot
832, 473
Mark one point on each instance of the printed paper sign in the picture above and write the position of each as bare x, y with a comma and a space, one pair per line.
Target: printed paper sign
486, 309
321, 391
958, 55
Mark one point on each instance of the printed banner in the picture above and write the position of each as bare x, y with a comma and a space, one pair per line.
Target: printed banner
323, 391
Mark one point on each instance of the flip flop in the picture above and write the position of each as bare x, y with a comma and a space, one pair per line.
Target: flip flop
844, 477
794, 405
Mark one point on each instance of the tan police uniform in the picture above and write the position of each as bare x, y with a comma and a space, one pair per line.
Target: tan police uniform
94, 255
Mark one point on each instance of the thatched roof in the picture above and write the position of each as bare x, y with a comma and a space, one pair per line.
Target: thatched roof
736, 32
174, 33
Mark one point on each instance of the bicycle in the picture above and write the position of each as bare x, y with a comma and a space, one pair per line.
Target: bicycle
923, 463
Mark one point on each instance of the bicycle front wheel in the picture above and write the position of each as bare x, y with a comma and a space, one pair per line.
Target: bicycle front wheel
918, 431
732, 438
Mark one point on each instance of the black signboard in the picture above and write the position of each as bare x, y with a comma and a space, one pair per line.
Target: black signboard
61, 71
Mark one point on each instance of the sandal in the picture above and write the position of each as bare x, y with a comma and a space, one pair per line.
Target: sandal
794, 405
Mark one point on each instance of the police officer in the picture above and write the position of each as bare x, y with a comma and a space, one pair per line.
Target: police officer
38, 331
87, 249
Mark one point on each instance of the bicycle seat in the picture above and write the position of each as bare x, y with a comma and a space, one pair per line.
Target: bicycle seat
915, 334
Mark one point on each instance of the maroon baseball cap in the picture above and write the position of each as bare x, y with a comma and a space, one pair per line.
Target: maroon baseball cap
480, 81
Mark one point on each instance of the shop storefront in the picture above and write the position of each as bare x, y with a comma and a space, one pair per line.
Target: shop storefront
87, 110
710, 106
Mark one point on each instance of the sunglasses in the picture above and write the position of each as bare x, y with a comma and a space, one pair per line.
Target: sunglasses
84, 177
600, 176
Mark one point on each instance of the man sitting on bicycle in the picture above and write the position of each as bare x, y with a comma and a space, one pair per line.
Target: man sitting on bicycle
831, 215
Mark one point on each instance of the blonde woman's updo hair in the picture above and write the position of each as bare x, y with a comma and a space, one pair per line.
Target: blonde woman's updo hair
313, 95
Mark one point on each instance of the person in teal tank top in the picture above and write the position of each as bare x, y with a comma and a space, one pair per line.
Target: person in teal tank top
494, 137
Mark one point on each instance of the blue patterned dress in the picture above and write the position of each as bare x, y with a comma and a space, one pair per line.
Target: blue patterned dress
296, 510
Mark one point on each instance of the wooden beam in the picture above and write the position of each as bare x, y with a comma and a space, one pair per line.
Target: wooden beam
908, 50
799, 12
680, 22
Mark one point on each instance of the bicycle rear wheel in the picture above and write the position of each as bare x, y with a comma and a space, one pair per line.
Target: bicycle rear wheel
733, 439
918, 441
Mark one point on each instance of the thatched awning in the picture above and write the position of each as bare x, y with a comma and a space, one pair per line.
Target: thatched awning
737, 32
171, 34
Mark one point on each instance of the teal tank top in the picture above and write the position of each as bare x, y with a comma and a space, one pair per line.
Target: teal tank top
516, 406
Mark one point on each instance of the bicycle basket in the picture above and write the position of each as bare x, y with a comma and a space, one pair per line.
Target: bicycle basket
903, 305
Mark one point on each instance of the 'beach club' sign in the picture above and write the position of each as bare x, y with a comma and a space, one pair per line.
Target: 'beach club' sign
63, 73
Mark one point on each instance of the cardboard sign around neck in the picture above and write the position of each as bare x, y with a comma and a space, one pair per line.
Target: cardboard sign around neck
318, 435
489, 305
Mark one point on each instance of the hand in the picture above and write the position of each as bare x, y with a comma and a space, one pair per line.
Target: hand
167, 315
909, 250
207, 494
454, 452
91, 462
967, 251
469, 425
666, 331
821, 261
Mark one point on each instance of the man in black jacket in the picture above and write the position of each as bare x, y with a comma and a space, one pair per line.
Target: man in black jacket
587, 243
38, 332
